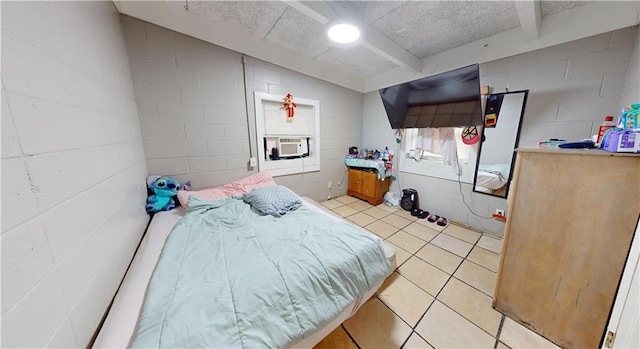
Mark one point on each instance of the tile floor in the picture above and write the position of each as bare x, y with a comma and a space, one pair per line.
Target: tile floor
439, 296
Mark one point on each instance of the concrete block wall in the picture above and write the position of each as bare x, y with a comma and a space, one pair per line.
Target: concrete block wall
572, 87
73, 170
192, 101
340, 124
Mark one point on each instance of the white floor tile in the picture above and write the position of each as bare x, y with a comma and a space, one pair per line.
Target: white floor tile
444, 328
453, 245
517, 336
491, 244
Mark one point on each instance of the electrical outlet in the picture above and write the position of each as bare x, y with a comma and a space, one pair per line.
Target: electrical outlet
253, 162
329, 185
499, 212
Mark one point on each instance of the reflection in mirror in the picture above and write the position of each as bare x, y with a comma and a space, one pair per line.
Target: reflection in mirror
496, 154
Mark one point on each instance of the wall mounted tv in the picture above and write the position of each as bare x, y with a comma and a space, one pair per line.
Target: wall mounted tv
450, 99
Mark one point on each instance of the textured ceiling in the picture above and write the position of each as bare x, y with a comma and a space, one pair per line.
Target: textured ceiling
425, 28
421, 28
254, 17
356, 60
296, 31
548, 8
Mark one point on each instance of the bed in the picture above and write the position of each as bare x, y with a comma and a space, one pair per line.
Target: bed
127, 325
491, 178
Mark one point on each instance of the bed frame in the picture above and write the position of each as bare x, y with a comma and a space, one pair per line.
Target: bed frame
120, 323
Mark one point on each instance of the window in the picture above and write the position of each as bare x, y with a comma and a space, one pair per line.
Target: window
431, 164
297, 140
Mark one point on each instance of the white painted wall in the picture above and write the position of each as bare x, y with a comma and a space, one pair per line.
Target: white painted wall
572, 86
72, 158
191, 103
73, 170
340, 124
631, 91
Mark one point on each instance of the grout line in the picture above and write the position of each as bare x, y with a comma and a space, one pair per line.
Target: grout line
394, 312
349, 334
475, 288
478, 246
499, 331
435, 298
13, 123
56, 265
481, 266
443, 286
407, 339
41, 213
424, 339
446, 305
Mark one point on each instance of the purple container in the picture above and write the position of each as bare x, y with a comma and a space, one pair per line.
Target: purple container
621, 141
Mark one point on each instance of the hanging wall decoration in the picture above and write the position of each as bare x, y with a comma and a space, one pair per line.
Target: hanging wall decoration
470, 135
289, 106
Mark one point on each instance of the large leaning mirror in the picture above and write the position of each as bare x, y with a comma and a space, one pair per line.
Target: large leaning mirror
500, 135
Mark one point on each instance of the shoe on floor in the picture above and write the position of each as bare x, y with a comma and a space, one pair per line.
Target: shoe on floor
423, 214
432, 218
441, 221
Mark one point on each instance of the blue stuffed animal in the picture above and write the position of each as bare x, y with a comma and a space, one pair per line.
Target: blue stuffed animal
164, 189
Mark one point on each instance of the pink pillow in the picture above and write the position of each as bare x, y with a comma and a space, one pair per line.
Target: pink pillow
236, 188
258, 180
216, 193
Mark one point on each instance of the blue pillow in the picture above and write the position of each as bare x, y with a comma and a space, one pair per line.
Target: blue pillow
275, 200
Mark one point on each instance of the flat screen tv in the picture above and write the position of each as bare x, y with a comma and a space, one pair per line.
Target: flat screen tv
450, 99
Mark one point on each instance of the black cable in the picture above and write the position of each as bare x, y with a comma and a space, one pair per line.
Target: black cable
462, 194
342, 179
397, 168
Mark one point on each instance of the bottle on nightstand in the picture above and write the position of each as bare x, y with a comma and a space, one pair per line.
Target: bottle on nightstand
608, 123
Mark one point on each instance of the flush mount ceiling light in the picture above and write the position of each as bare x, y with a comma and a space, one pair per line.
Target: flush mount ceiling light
343, 33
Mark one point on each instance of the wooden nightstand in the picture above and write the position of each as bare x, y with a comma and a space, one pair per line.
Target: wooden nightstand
364, 184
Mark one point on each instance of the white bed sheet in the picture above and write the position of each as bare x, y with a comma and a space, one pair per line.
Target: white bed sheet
120, 324
490, 180
123, 316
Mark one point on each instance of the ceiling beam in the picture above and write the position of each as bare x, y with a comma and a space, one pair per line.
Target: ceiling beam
318, 10
371, 39
116, 3
530, 18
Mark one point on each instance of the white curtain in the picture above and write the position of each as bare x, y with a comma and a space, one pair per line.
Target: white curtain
440, 141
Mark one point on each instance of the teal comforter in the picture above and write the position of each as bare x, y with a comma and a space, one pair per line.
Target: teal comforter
229, 277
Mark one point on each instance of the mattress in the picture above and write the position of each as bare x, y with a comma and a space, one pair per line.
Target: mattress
490, 180
121, 320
